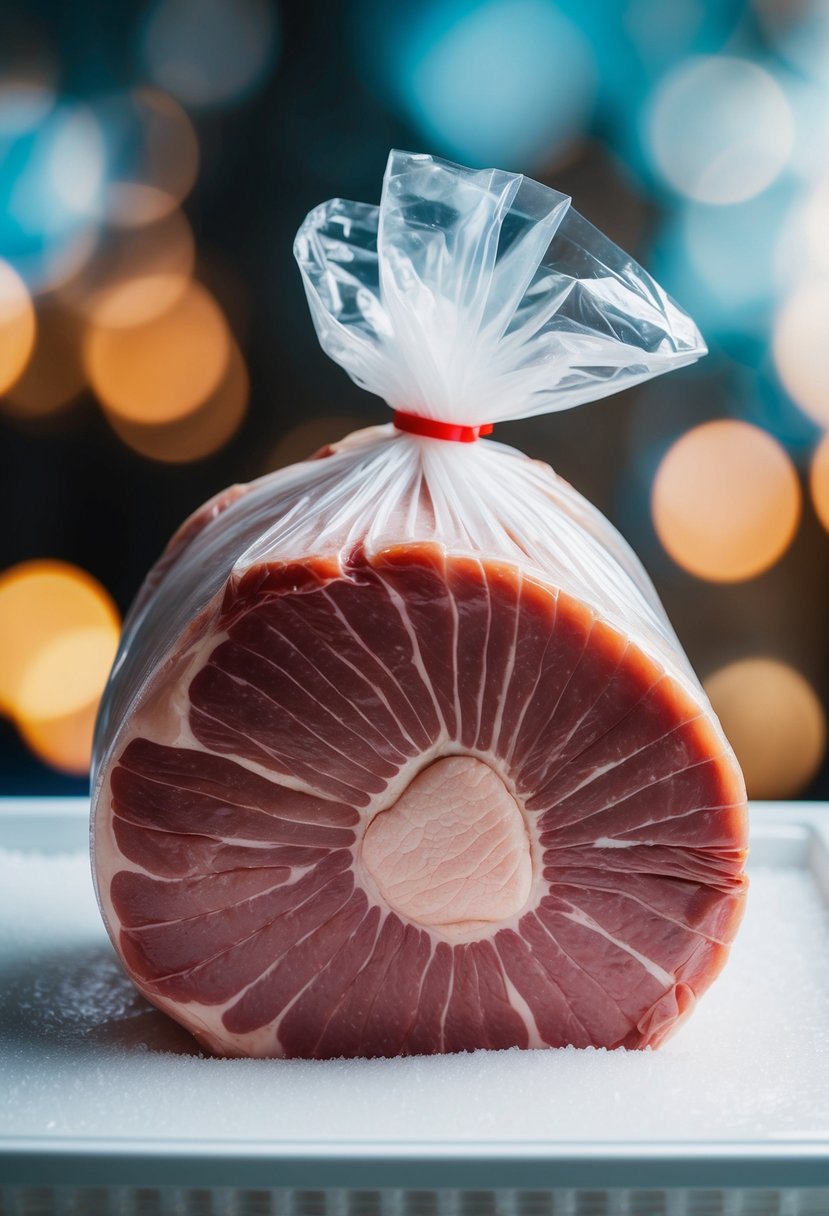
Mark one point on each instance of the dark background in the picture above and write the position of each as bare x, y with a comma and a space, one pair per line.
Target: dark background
562, 91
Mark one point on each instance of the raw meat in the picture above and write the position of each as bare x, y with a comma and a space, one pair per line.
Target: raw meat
412, 800
400, 753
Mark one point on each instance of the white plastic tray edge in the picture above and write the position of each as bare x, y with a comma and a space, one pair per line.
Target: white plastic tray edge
782, 834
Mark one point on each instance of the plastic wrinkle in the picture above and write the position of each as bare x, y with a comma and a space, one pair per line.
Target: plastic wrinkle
482, 294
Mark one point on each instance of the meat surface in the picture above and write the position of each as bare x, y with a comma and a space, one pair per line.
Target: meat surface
383, 790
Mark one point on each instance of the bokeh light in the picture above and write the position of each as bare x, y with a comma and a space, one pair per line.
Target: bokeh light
136, 273
63, 742
58, 697
801, 347
809, 102
76, 161
695, 134
196, 434
51, 182
24, 103
802, 246
720, 262
54, 375
58, 635
160, 369
65, 673
152, 153
135, 302
726, 500
774, 721
728, 249
662, 34
819, 481
17, 326
801, 35
719, 128
494, 83
763, 402
210, 52
41, 601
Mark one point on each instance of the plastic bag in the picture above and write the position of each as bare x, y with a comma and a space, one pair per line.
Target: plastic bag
400, 752
481, 296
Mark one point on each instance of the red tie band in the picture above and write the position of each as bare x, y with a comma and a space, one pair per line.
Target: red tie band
413, 424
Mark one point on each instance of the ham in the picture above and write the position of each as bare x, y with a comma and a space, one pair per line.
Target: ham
401, 755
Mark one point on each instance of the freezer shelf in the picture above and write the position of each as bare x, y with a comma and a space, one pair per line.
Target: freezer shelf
97, 1087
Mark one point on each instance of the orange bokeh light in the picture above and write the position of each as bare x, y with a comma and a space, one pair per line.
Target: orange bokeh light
726, 501
41, 602
167, 162
65, 742
199, 433
773, 720
59, 632
17, 326
65, 673
58, 698
54, 374
160, 369
163, 250
801, 348
137, 301
819, 481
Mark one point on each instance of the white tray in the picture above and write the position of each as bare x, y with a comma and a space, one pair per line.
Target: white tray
99, 1089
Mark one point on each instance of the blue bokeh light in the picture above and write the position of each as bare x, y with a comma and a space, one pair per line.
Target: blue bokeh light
719, 262
210, 52
51, 185
498, 82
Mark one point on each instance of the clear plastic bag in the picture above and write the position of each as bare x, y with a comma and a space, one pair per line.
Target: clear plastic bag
478, 296
424, 614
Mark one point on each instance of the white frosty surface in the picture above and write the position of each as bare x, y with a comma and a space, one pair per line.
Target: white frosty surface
81, 1054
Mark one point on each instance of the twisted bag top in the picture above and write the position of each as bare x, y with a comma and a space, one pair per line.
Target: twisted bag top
473, 296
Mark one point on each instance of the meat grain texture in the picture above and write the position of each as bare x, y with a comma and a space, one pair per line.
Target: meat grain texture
400, 753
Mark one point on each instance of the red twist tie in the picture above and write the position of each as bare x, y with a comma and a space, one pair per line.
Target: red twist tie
414, 424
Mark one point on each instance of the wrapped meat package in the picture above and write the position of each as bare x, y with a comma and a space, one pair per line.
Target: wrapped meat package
400, 753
